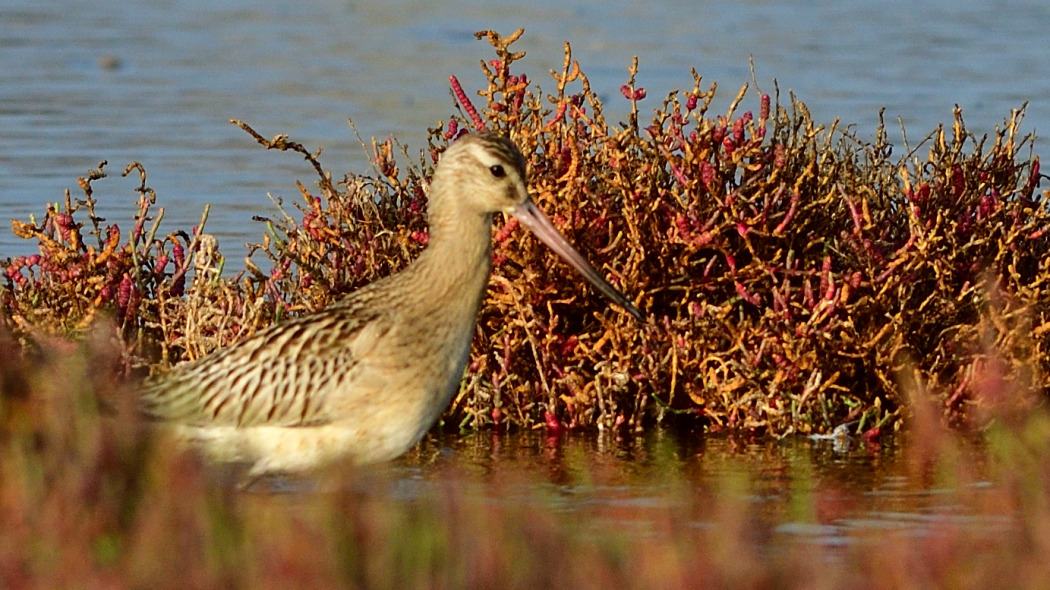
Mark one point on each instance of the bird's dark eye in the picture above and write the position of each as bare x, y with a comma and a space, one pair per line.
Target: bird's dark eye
497, 171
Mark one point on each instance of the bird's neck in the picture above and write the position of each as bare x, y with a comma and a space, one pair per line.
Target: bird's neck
455, 265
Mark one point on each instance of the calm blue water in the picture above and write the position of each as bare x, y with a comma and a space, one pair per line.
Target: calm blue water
156, 81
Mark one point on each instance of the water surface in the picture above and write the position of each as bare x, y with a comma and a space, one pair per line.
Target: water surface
156, 81
798, 490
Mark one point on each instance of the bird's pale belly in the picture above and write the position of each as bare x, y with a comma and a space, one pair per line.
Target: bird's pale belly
382, 435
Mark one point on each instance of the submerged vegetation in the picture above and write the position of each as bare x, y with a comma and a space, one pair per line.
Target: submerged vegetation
795, 277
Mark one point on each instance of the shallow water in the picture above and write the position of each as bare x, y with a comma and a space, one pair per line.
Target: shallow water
798, 490
157, 81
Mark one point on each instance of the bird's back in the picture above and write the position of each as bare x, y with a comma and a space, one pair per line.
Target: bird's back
281, 376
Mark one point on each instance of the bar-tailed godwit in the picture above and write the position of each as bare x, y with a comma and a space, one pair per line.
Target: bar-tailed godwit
365, 378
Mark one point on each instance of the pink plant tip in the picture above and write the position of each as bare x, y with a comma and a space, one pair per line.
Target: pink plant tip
632, 94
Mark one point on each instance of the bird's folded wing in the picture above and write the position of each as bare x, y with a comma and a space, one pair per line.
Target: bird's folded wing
281, 376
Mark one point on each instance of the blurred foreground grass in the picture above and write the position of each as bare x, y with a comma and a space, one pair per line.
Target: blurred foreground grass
92, 499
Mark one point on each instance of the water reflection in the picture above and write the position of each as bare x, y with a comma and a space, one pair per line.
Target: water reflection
790, 489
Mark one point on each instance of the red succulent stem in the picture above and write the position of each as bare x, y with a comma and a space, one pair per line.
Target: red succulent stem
468, 106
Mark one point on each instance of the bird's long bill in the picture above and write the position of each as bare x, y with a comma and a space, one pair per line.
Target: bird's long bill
529, 215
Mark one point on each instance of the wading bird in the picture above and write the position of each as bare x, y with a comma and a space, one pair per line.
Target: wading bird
365, 378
